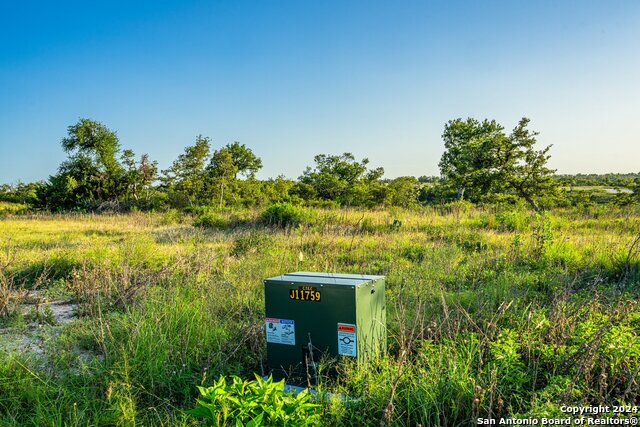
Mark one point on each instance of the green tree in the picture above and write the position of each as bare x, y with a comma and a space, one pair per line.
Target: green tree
223, 170
91, 174
340, 178
186, 178
244, 160
26, 193
468, 163
138, 176
481, 161
403, 191
635, 187
277, 190
522, 168
96, 141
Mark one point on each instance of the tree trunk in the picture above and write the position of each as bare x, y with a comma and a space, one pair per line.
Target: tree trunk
532, 202
461, 193
221, 191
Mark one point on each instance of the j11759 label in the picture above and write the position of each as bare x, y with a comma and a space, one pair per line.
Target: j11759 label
305, 293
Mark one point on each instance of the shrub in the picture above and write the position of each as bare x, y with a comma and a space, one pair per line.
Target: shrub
415, 253
367, 226
197, 210
255, 403
284, 215
469, 246
251, 242
211, 220
513, 220
171, 216
7, 208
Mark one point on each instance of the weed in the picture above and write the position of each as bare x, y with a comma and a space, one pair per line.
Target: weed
284, 215
255, 403
42, 316
172, 216
254, 242
211, 220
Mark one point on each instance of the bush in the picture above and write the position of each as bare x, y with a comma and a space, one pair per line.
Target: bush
171, 216
252, 242
211, 220
284, 215
415, 253
8, 208
255, 403
197, 210
514, 220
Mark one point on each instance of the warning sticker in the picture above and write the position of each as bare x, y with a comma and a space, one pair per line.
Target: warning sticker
347, 339
280, 331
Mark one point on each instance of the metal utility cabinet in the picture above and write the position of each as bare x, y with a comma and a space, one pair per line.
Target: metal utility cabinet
312, 315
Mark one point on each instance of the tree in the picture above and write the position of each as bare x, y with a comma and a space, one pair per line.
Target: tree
96, 171
224, 167
245, 162
523, 168
138, 176
92, 173
222, 170
482, 161
468, 162
635, 188
186, 176
340, 178
97, 142
403, 191
26, 193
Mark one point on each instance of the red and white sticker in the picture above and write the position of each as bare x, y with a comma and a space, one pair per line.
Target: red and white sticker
280, 331
347, 339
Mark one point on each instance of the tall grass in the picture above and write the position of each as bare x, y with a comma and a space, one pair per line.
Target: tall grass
491, 312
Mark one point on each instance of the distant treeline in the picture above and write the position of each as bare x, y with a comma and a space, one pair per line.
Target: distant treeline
481, 164
613, 180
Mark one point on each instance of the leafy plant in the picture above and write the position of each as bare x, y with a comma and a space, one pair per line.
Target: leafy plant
43, 317
171, 216
468, 246
542, 236
284, 215
415, 253
211, 220
254, 403
254, 241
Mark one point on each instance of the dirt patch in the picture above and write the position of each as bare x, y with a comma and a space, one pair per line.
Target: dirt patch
43, 321
62, 311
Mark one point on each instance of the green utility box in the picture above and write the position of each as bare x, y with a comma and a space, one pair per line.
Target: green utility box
311, 315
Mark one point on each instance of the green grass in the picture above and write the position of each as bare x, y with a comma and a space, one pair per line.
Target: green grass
491, 312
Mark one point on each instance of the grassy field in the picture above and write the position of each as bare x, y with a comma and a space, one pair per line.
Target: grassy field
490, 312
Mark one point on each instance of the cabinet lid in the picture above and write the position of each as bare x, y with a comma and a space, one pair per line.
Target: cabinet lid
325, 278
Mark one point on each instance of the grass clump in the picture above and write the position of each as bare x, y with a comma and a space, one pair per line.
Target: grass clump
172, 216
285, 215
252, 242
211, 220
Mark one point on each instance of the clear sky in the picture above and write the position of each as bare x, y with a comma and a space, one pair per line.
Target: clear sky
292, 79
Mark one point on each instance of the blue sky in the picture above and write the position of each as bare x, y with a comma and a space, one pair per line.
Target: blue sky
292, 79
